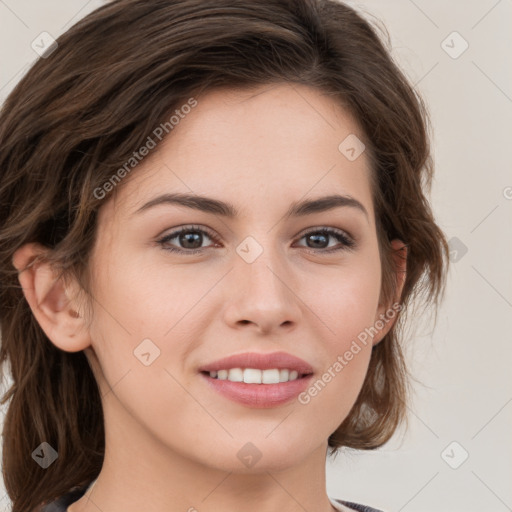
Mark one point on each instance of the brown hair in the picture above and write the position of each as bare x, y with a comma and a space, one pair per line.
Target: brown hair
79, 114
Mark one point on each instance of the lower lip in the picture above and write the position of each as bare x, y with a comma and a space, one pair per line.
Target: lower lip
259, 396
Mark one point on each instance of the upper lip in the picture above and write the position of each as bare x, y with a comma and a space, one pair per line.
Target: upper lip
279, 360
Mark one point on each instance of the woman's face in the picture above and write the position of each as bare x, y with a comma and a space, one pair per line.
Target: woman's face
243, 278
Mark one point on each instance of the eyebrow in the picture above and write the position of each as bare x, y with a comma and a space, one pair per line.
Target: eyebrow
217, 207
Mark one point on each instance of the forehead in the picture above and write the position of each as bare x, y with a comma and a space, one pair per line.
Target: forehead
273, 144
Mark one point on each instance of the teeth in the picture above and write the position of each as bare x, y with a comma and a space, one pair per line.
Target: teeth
236, 375
270, 376
252, 376
255, 376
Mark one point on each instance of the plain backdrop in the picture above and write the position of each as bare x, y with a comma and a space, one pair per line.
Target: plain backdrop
456, 455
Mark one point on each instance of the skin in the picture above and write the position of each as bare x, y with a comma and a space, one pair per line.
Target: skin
171, 441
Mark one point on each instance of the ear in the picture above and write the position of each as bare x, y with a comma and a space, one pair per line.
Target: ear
50, 300
388, 313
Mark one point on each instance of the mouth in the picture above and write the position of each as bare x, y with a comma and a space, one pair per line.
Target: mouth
258, 380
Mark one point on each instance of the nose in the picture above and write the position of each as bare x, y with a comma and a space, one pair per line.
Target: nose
262, 295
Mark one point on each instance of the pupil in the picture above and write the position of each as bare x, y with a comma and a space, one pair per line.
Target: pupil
190, 238
318, 238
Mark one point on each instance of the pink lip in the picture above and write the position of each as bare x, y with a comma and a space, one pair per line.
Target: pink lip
259, 395
279, 360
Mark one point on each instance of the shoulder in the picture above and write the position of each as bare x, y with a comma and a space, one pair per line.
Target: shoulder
357, 506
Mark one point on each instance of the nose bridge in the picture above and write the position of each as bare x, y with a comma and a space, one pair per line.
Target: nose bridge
263, 285
259, 265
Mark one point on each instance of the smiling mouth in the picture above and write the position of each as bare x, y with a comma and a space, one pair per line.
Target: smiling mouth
256, 376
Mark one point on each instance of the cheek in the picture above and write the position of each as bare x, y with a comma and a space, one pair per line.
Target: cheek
138, 331
147, 299
142, 315
347, 306
346, 300
349, 311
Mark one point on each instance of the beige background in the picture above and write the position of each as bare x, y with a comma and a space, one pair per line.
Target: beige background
464, 361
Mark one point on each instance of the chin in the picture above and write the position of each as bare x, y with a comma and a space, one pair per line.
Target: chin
260, 455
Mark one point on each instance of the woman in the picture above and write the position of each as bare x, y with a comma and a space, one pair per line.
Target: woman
213, 215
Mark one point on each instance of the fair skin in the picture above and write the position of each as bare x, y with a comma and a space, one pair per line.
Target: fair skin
171, 440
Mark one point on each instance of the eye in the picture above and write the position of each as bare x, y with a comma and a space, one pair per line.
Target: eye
319, 239
191, 238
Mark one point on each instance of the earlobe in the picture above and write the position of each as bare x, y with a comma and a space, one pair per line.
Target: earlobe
49, 300
388, 316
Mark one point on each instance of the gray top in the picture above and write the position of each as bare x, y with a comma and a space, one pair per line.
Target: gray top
357, 506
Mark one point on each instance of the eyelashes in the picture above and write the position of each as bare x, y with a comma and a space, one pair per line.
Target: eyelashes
317, 235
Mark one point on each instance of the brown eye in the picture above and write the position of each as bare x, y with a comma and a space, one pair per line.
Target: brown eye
319, 240
189, 239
